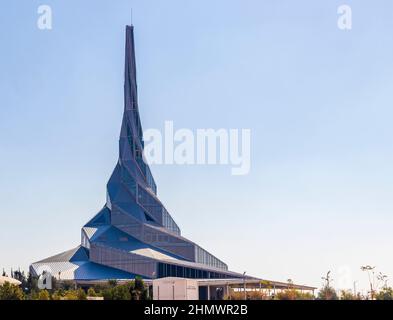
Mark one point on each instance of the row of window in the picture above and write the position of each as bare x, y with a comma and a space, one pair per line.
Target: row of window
154, 208
138, 154
170, 270
150, 180
204, 257
129, 181
169, 223
157, 210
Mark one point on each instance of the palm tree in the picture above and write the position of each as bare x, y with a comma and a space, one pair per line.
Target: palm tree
371, 277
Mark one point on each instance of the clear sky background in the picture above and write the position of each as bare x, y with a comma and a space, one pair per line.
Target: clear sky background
317, 99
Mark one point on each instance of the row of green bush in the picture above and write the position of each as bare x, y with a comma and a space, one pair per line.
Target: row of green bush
132, 290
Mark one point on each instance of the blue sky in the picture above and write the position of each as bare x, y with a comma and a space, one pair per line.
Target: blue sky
317, 99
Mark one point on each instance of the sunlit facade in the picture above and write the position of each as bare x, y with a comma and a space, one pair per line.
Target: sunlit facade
133, 234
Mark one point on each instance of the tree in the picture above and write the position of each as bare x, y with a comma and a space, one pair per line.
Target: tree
91, 292
371, 277
20, 276
71, 295
348, 295
63, 285
121, 292
112, 283
385, 294
81, 294
139, 285
375, 281
327, 279
251, 295
327, 292
138, 290
132, 290
11, 292
43, 295
383, 278
31, 284
293, 294
58, 295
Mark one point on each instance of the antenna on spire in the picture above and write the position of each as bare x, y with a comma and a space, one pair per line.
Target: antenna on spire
131, 16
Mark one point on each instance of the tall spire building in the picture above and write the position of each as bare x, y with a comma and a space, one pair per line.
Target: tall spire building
133, 234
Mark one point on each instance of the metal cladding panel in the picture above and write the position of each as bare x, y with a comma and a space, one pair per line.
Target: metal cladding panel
169, 242
123, 260
63, 270
94, 271
76, 254
133, 207
83, 270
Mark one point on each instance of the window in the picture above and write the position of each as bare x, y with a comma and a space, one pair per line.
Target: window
148, 218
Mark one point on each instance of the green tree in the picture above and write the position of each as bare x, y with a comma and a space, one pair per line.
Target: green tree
132, 290
81, 294
112, 283
71, 295
11, 292
139, 291
327, 293
20, 276
107, 294
64, 285
348, 295
385, 294
91, 292
58, 295
121, 292
139, 285
43, 295
31, 284
293, 294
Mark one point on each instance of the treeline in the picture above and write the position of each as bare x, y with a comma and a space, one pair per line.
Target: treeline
138, 290
68, 290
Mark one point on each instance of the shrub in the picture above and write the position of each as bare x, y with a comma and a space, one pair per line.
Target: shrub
385, 294
327, 293
81, 294
58, 295
121, 292
132, 290
348, 295
11, 292
250, 295
43, 295
293, 294
71, 295
91, 292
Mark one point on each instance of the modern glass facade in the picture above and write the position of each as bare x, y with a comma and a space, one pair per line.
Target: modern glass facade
204, 257
170, 270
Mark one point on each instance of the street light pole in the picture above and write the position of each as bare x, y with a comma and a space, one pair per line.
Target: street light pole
244, 285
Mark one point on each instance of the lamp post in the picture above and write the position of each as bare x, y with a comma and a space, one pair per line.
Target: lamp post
244, 285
